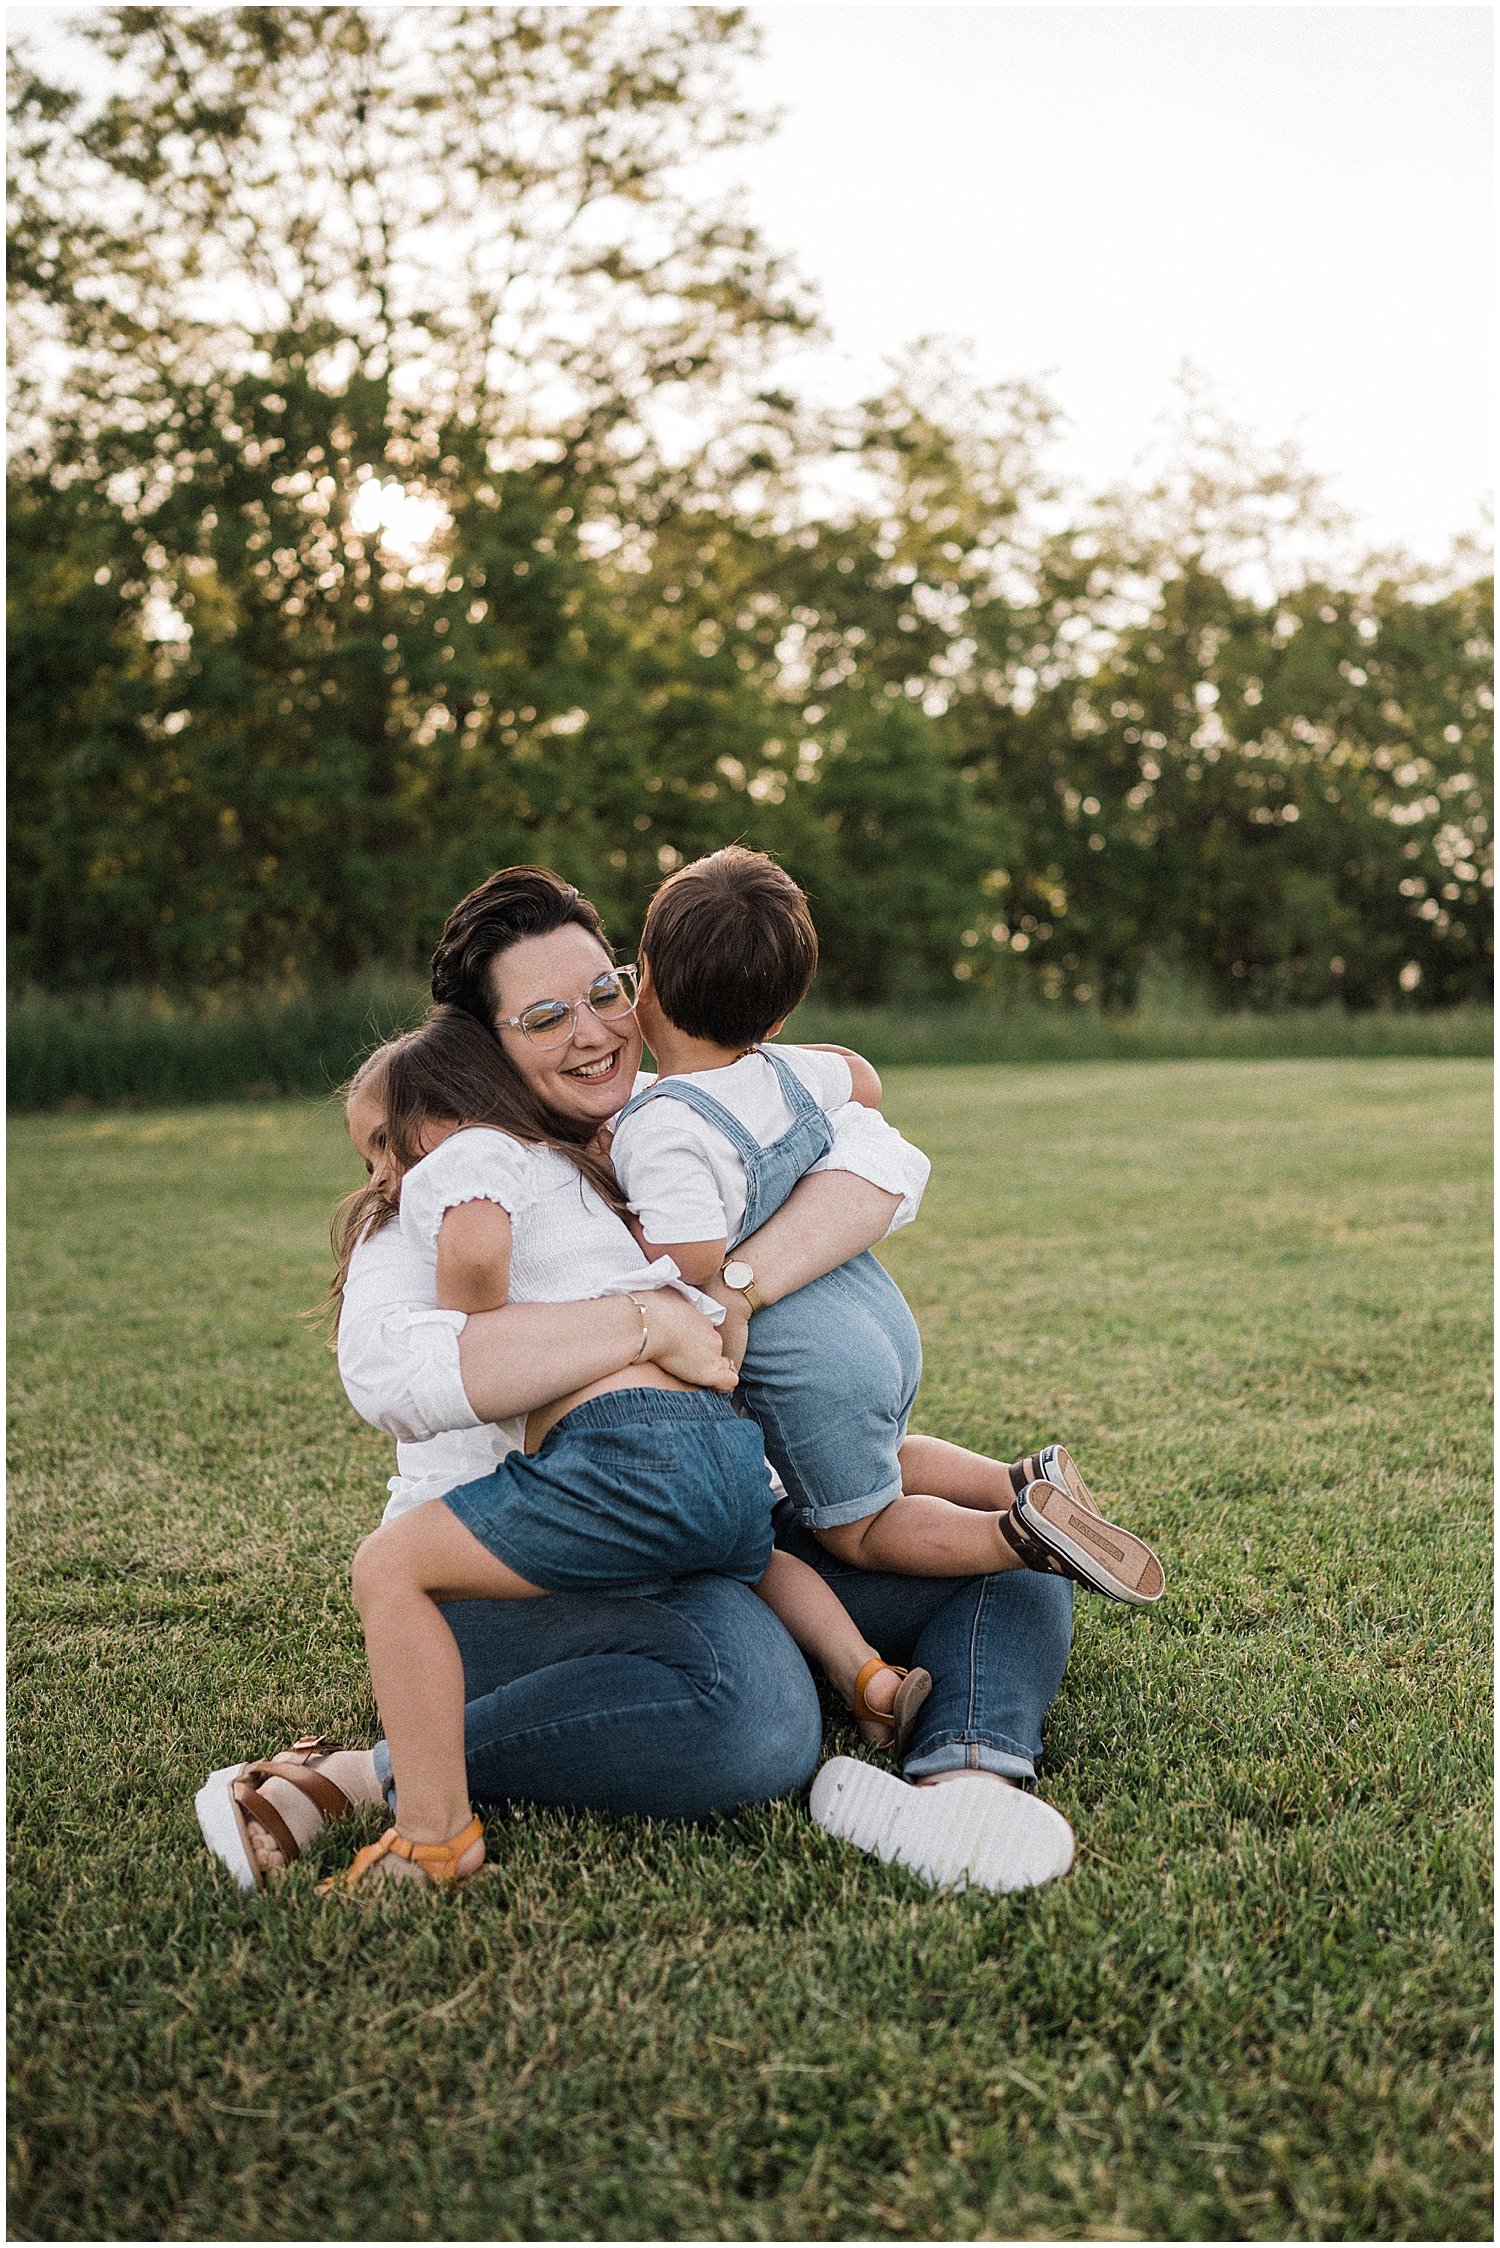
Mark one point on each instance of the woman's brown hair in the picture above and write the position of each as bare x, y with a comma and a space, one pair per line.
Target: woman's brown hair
451, 1067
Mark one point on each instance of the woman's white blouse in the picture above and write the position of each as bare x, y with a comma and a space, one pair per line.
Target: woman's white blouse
398, 1358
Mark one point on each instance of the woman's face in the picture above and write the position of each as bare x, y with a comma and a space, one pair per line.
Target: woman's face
590, 1073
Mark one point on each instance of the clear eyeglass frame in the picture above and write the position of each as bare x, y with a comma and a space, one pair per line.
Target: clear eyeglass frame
549, 1022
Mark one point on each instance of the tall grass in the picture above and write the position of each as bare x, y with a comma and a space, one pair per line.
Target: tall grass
140, 1048
956, 1033
137, 1048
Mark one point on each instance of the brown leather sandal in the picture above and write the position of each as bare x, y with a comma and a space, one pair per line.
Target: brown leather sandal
897, 1721
230, 1802
438, 1860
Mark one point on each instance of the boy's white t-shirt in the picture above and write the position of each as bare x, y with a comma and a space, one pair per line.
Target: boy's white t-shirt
684, 1180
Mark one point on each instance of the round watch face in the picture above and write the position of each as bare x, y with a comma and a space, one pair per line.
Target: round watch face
738, 1274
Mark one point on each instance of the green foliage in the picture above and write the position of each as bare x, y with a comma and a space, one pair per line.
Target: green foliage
402, 489
136, 1048
1254, 1299
131, 1047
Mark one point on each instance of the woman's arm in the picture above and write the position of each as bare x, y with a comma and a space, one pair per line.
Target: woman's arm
829, 1217
398, 1368
526, 1355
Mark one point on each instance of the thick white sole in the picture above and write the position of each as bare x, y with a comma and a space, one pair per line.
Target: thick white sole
221, 1827
970, 1832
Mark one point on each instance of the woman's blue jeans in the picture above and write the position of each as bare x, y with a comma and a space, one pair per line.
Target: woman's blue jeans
694, 1701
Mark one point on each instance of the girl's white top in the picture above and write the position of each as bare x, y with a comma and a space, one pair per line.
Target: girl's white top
401, 1357
683, 1179
398, 1350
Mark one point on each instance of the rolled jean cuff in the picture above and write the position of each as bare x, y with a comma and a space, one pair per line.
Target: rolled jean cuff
970, 1756
845, 1510
382, 1760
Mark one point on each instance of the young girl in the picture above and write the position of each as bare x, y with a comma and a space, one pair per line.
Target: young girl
634, 1479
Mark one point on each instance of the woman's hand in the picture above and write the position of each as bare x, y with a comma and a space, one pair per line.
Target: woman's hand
734, 1335
685, 1344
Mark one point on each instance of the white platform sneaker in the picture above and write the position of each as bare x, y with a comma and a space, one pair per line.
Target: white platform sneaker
968, 1832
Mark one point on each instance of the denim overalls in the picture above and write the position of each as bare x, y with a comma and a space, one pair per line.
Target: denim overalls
831, 1372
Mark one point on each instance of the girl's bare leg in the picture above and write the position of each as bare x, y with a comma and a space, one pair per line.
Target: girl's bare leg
946, 1470
400, 1574
826, 1633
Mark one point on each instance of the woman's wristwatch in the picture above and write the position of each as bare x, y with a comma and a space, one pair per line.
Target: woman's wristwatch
738, 1275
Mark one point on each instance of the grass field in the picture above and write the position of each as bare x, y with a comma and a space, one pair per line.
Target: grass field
1252, 1297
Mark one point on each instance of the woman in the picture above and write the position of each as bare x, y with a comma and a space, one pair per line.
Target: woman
692, 1701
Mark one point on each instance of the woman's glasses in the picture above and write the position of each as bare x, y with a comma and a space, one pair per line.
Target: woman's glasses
549, 1022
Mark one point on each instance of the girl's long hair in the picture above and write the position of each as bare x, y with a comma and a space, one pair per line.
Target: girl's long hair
451, 1067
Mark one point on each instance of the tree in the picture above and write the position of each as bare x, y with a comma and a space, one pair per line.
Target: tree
306, 274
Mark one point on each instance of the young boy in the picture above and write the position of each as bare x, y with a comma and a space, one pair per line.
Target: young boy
711, 1151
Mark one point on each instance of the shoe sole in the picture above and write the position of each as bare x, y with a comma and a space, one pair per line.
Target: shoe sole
220, 1825
971, 1832
1110, 1560
1056, 1465
907, 1708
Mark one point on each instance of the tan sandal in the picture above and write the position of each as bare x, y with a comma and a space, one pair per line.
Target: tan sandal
438, 1860
897, 1721
229, 1803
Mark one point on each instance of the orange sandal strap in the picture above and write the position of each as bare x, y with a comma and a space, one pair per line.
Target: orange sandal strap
438, 1860
862, 1709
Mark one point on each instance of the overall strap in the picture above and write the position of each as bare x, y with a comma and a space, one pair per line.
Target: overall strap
796, 1095
744, 1143
806, 1140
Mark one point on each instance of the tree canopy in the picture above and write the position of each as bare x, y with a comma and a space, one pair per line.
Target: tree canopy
402, 485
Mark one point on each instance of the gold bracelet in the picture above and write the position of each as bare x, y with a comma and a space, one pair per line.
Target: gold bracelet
645, 1331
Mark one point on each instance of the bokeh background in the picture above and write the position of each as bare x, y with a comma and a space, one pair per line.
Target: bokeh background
1036, 488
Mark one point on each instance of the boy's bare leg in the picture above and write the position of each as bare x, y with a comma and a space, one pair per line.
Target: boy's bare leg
929, 1464
826, 1633
400, 1574
920, 1535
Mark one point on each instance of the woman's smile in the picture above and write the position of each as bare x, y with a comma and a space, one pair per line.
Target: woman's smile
594, 1073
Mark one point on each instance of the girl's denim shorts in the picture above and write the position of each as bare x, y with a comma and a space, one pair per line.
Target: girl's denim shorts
626, 1492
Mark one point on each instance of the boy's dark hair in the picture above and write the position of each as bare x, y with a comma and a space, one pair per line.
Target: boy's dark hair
730, 945
518, 901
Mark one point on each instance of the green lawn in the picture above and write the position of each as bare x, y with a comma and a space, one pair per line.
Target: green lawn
1253, 1297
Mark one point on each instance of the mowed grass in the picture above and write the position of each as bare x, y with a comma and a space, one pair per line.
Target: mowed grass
1252, 1297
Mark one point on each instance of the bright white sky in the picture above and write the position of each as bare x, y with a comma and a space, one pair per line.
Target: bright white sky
1297, 199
